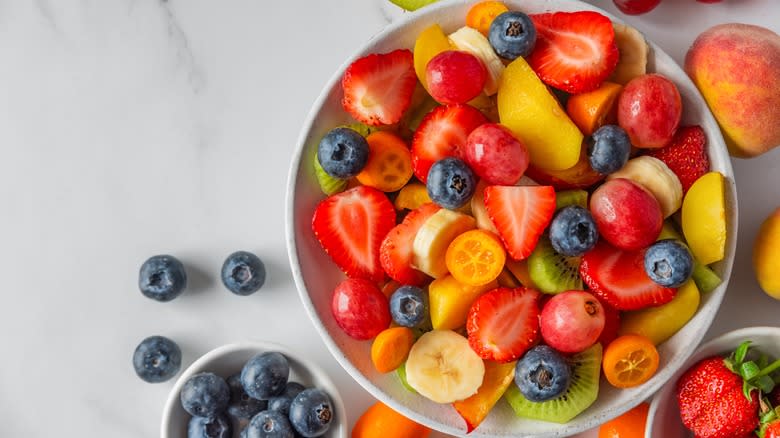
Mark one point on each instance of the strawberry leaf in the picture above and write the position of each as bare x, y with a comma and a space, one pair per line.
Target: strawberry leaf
749, 370
747, 388
741, 352
765, 384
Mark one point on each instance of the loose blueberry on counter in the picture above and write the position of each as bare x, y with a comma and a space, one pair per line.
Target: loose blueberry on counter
205, 395
282, 402
243, 273
241, 405
609, 149
409, 306
542, 374
342, 153
311, 412
157, 359
573, 231
162, 278
216, 427
265, 375
668, 263
512, 35
451, 183
269, 424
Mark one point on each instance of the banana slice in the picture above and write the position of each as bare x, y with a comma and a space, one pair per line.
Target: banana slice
443, 367
479, 211
633, 54
654, 175
470, 40
433, 238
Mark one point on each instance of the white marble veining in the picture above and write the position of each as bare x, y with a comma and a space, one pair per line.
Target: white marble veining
135, 127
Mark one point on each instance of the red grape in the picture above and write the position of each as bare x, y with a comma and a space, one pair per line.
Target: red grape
495, 155
636, 7
455, 77
360, 308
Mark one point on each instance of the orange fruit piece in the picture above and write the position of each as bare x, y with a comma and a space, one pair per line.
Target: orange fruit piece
475, 257
412, 196
629, 361
379, 421
498, 377
390, 287
594, 109
481, 15
629, 425
391, 347
389, 165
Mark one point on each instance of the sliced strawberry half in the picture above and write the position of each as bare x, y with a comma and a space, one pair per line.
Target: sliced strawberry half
504, 323
396, 249
619, 278
686, 155
378, 88
442, 133
611, 323
575, 51
520, 214
350, 227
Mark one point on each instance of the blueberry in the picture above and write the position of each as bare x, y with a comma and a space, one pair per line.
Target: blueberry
243, 273
311, 412
608, 149
451, 183
512, 34
162, 278
282, 402
342, 153
668, 263
241, 405
542, 374
156, 359
265, 375
205, 395
573, 231
216, 427
269, 424
409, 306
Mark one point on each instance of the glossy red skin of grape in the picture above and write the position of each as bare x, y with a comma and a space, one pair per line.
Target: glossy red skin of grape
649, 109
496, 155
455, 77
627, 215
709, 1
636, 7
360, 308
572, 321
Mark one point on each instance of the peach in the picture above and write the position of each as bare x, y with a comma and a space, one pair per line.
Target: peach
737, 69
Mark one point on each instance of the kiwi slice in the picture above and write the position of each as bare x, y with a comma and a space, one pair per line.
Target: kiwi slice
412, 5
705, 278
401, 372
582, 392
328, 184
566, 198
552, 272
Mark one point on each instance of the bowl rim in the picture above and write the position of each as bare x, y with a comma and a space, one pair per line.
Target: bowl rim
200, 364
292, 249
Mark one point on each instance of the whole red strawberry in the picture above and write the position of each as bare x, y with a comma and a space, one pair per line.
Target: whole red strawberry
686, 155
772, 430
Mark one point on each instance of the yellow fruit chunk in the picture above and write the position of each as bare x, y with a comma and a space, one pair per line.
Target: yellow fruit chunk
704, 218
659, 323
766, 255
594, 109
481, 15
430, 43
498, 377
412, 196
533, 114
450, 301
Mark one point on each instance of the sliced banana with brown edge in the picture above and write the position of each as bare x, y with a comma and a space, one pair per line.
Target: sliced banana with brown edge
654, 175
434, 236
633, 54
470, 40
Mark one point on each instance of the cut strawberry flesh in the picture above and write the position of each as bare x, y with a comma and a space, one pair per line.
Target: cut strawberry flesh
520, 214
396, 250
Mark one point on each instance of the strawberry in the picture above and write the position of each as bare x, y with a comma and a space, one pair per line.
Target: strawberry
520, 214
378, 88
575, 51
686, 155
396, 250
611, 324
504, 323
618, 277
350, 227
442, 133
772, 430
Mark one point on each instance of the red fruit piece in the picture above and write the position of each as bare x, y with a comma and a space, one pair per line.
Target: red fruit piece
649, 108
772, 429
636, 7
572, 321
575, 51
455, 77
495, 155
350, 227
712, 404
396, 250
442, 133
378, 88
611, 324
686, 155
627, 215
520, 214
360, 308
504, 323
618, 277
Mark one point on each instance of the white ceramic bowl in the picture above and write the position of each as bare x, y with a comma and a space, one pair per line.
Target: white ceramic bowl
228, 360
316, 276
663, 418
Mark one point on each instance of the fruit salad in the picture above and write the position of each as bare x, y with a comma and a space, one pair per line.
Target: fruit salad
518, 211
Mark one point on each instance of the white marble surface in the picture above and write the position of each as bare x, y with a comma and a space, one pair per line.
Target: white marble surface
135, 127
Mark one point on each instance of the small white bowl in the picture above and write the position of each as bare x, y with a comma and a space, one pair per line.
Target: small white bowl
228, 360
663, 418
